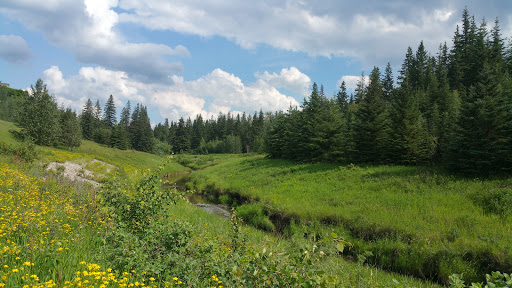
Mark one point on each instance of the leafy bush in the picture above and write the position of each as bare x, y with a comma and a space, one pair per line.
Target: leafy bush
256, 215
25, 150
494, 280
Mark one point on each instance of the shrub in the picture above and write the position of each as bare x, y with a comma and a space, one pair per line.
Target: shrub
256, 215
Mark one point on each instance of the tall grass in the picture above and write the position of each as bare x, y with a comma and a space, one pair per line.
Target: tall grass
415, 220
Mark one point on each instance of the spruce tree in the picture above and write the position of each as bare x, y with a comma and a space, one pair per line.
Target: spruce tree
109, 116
482, 139
87, 120
372, 126
411, 142
38, 116
145, 138
387, 83
342, 97
70, 131
125, 115
182, 140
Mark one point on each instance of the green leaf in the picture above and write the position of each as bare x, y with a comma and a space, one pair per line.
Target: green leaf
340, 247
334, 235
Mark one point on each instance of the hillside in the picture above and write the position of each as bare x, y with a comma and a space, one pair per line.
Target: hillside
414, 220
88, 232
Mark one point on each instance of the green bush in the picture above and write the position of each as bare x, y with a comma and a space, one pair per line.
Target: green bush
24, 150
256, 215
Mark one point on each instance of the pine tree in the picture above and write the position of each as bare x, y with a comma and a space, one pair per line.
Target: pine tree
97, 113
404, 77
360, 90
322, 129
145, 138
182, 140
342, 97
70, 131
198, 132
87, 120
38, 116
496, 45
119, 137
482, 139
125, 115
134, 127
410, 139
372, 127
109, 116
387, 83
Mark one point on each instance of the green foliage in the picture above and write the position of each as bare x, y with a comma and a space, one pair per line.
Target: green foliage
141, 134
10, 100
70, 130
481, 144
109, 116
25, 150
423, 222
38, 116
87, 120
256, 215
161, 148
494, 280
372, 123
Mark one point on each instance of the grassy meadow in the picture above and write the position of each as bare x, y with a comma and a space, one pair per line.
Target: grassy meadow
58, 233
414, 220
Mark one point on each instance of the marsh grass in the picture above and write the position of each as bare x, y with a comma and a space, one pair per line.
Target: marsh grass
415, 220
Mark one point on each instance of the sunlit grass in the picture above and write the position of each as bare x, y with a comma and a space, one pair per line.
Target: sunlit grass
415, 210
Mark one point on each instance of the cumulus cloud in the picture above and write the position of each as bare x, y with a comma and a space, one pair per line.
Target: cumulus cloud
370, 31
218, 91
289, 78
14, 49
351, 81
88, 29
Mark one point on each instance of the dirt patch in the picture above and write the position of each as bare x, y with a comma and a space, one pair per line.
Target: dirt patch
77, 171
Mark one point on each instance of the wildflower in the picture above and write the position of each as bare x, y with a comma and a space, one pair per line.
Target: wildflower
27, 263
175, 278
15, 270
151, 279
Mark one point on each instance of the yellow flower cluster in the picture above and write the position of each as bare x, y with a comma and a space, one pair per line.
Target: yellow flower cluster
217, 282
36, 221
38, 224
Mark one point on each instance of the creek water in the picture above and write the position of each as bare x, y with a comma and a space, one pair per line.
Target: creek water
179, 181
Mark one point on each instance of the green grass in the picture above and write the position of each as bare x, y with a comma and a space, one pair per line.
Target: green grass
4, 131
350, 273
415, 220
87, 226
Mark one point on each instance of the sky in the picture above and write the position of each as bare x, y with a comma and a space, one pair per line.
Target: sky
181, 58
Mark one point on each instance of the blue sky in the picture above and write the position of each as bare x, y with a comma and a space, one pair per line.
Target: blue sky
185, 57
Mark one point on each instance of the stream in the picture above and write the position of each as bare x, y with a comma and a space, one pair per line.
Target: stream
178, 182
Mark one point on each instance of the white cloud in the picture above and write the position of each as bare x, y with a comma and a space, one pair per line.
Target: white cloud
14, 49
369, 31
289, 78
218, 91
88, 29
351, 81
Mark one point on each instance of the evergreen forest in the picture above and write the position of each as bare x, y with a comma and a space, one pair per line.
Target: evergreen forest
451, 107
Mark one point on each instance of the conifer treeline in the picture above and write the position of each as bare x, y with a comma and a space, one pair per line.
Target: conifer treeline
453, 108
39, 118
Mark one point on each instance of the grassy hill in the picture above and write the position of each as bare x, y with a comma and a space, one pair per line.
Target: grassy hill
56, 232
414, 220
